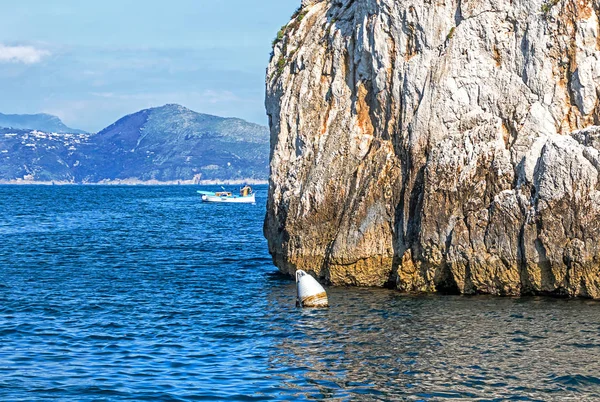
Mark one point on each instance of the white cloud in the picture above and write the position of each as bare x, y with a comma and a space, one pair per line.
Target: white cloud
21, 54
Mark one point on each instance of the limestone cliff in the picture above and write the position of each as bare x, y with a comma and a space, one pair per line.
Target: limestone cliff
438, 145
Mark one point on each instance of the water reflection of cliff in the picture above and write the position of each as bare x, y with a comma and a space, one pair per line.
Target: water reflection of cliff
378, 344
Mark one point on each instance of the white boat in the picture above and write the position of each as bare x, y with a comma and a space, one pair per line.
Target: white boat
246, 196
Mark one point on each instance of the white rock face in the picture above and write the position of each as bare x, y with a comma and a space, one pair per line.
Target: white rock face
444, 146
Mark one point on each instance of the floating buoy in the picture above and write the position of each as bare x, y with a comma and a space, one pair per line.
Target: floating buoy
310, 292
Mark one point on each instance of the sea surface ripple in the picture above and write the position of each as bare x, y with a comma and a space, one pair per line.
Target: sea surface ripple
144, 293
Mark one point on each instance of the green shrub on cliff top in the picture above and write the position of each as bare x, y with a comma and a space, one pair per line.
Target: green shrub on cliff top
296, 13
296, 19
302, 15
547, 6
280, 35
280, 65
451, 33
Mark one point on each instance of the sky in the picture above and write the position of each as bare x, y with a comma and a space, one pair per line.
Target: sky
92, 62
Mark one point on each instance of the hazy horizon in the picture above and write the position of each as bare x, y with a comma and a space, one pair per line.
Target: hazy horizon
91, 64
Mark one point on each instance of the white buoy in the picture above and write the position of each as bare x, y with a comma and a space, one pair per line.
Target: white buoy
310, 292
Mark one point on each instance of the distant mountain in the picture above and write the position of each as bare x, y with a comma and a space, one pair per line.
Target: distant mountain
167, 143
42, 122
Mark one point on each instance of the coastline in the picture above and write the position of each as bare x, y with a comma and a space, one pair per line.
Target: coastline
135, 182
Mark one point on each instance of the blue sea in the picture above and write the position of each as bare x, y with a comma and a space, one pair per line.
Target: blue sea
144, 293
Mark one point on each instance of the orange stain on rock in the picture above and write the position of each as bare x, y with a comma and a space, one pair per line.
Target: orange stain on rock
363, 111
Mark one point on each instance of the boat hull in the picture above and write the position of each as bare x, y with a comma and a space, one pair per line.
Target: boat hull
234, 200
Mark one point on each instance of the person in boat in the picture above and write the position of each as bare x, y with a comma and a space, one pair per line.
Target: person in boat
245, 191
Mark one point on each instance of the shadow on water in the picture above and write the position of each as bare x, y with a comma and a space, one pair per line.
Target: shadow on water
377, 344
